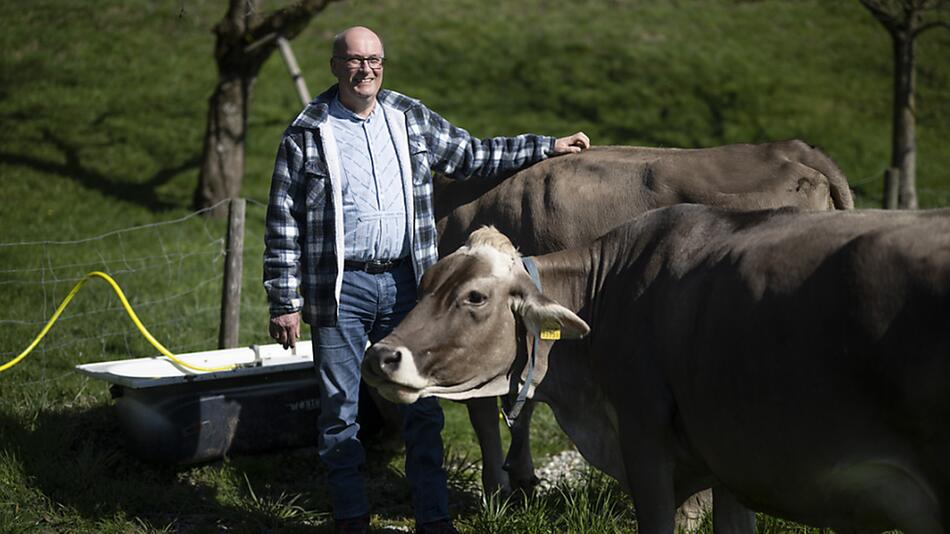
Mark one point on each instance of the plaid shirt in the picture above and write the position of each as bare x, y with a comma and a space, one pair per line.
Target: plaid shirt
303, 254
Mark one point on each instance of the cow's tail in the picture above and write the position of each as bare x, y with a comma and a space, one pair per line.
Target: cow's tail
840, 191
841, 197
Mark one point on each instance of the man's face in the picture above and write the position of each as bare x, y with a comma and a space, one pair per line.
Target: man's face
358, 81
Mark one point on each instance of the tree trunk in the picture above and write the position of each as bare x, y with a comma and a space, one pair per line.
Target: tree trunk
903, 140
244, 40
222, 165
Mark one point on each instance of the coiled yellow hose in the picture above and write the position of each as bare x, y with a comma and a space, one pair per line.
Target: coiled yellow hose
128, 308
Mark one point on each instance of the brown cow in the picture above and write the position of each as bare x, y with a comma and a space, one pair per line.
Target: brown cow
798, 359
571, 200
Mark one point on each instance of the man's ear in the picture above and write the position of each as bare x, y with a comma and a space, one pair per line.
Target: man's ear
545, 318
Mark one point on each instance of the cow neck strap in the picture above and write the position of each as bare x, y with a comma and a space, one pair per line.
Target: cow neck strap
515, 411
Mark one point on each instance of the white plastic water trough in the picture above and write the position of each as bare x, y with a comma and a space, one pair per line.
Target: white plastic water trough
171, 414
160, 371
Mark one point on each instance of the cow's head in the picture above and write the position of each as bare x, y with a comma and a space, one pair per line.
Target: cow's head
460, 341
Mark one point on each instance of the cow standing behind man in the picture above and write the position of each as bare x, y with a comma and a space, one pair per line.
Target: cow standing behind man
572, 200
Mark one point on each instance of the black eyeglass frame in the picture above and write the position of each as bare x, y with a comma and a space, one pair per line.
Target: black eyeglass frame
349, 61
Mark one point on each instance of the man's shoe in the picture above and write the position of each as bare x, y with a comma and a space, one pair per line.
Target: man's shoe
444, 526
353, 525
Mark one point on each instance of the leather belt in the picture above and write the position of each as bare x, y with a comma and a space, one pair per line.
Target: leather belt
373, 266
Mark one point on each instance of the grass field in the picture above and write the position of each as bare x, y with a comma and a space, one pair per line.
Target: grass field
103, 105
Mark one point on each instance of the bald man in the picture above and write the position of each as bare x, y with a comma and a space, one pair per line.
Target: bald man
350, 231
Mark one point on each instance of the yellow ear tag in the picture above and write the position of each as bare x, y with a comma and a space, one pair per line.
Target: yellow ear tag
551, 334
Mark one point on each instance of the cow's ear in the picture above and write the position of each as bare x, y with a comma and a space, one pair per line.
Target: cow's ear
548, 319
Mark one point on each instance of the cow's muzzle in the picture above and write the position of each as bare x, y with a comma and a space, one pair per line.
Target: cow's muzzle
381, 361
392, 371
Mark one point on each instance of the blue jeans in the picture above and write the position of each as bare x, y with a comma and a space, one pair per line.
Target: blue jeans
371, 305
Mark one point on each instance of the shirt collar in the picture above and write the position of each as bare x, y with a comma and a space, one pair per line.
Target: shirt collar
339, 111
315, 113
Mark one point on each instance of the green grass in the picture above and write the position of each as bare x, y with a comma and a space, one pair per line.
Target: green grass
594, 505
103, 106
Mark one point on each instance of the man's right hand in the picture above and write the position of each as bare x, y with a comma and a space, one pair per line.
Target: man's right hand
285, 329
571, 144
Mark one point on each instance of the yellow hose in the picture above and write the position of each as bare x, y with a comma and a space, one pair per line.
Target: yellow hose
132, 315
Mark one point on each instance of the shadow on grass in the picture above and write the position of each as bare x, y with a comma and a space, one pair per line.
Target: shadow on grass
144, 193
79, 462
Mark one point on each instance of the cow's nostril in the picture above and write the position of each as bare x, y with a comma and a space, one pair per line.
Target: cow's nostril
392, 357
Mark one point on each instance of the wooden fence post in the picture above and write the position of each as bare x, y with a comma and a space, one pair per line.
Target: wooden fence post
233, 266
287, 54
891, 182
291, 61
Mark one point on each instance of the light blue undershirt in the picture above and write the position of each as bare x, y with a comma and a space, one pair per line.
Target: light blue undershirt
374, 201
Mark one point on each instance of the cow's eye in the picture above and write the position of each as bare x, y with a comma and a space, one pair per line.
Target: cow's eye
475, 298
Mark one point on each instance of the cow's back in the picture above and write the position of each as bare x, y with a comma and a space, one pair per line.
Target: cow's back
571, 200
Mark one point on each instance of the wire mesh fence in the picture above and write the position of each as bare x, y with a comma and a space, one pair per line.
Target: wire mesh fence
171, 272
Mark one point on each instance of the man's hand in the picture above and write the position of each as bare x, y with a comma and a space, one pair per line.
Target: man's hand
571, 144
285, 329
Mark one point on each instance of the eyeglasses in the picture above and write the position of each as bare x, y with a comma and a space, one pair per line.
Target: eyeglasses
355, 62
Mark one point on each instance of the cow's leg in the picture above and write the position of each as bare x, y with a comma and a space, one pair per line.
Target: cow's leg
648, 464
729, 515
518, 463
483, 414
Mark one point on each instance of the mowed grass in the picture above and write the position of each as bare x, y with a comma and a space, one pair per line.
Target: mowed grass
103, 106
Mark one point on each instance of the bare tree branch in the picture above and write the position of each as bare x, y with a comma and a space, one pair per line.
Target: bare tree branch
881, 13
288, 21
932, 25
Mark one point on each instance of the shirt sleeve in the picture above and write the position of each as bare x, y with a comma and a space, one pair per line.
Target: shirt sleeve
457, 154
282, 231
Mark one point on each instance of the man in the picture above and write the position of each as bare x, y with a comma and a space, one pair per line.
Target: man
350, 230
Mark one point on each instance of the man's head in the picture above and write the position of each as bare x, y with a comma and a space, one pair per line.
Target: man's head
357, 64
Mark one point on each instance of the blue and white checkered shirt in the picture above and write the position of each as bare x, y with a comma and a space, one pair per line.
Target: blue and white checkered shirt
303, 239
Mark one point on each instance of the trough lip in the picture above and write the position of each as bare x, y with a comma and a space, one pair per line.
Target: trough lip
141, 373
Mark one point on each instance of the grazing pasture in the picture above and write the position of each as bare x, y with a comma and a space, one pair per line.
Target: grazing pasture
103, 107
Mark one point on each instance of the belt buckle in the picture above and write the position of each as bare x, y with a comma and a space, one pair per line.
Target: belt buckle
377, 267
